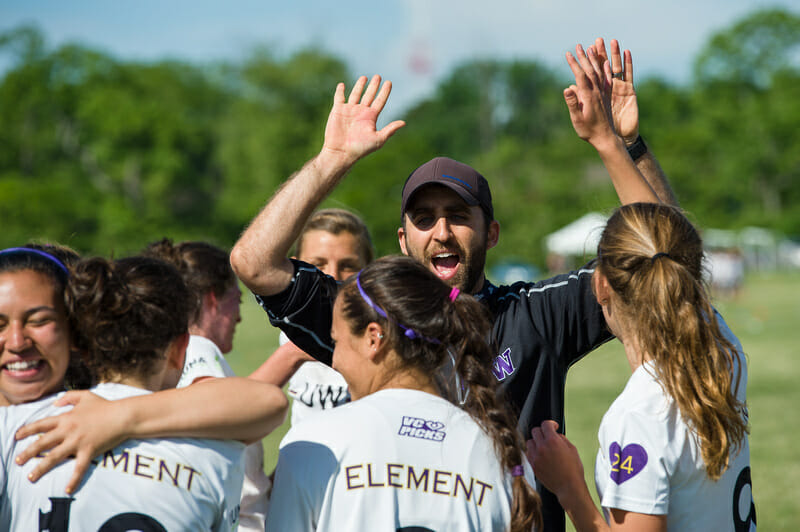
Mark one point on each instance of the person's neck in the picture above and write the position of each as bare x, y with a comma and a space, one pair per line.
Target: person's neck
402, 379
196, 330
633, 352
411, 381
478, 284
152, 383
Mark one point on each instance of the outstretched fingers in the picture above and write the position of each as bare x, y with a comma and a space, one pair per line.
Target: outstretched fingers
628, 66
390, 129
581, 79
338, 96
383, 95
358, 88
600, 49
616, 58
589, 65
372, 90
597, 63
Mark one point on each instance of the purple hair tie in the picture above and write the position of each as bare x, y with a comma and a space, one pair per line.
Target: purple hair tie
41, 253
410, 333
454, 294
517, 471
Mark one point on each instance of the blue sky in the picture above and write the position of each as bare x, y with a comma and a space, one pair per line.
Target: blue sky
412, 42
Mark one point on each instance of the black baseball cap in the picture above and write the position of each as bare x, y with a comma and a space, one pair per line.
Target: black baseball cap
462, 179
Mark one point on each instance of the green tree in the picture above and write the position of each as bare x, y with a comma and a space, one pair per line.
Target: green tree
752, 51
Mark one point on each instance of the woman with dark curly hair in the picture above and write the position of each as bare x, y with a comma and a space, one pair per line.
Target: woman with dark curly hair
128, 319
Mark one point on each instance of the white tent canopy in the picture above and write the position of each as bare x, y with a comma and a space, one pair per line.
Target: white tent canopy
579, 237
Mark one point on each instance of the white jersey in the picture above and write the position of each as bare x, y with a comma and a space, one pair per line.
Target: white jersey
314, 387
204, 359
649, 462
396, 458
160, 484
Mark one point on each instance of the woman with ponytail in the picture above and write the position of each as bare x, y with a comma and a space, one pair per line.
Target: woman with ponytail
674, 452
426, 444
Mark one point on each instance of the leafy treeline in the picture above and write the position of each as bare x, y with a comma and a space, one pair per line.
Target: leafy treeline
106, 155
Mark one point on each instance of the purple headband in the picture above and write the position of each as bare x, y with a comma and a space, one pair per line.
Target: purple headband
39, 252
410, 333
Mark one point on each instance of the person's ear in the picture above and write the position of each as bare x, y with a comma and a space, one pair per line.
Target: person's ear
602, 290
401, 238
208, 303
373, 338
176, 353
493, 234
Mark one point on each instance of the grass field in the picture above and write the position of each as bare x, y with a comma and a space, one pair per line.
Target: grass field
765, 316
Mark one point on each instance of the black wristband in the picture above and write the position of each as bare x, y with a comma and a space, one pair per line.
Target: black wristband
637, 149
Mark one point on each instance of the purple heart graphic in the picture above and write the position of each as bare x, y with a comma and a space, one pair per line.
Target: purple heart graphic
626, 463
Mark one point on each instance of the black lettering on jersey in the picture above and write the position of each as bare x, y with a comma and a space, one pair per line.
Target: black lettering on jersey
326, 396
57, 519
739, 523
131, 522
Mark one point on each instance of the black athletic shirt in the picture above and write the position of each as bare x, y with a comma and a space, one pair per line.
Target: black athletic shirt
540, 330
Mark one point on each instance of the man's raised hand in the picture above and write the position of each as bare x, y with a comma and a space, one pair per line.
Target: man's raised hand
624, 107
587, 101
351, 132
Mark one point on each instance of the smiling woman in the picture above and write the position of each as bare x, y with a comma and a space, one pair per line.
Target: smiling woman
34, 335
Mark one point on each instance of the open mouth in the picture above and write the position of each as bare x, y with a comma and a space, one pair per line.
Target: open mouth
22, 368
445, 265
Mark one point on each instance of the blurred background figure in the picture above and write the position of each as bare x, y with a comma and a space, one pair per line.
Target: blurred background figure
726, 271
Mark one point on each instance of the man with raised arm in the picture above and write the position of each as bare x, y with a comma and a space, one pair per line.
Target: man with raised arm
540, 329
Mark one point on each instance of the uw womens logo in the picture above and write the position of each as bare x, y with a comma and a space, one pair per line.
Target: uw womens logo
503, 366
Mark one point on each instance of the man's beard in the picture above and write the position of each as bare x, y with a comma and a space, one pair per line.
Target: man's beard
470, 268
